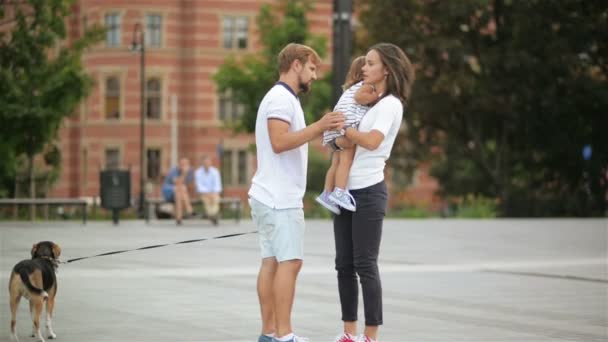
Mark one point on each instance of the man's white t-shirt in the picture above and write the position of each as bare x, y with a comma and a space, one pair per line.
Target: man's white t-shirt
280, 179
368, 166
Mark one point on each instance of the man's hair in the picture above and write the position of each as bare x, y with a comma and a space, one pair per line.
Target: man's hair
294, 51
401, 75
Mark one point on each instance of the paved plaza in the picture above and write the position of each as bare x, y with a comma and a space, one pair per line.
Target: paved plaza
443, 280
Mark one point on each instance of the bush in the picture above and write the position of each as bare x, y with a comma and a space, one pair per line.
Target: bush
410, 212
476, 207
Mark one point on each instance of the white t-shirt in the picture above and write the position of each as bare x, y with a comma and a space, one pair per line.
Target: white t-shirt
368, 166
280, 179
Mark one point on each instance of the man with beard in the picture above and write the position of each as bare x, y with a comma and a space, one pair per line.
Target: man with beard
278, 186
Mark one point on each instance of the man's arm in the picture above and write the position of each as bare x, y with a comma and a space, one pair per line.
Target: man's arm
282, 140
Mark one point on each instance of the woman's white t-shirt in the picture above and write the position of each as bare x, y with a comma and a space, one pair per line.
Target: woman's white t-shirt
368, 166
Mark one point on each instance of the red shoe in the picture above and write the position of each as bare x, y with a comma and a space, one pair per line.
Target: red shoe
345, 337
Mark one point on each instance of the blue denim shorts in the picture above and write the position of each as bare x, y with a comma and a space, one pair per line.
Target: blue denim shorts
281, 231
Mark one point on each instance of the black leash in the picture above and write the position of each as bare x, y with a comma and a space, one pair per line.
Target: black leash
158, 246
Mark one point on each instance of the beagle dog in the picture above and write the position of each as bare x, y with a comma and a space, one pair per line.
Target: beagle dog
35, 280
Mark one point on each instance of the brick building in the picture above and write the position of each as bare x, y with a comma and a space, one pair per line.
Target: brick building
186, 42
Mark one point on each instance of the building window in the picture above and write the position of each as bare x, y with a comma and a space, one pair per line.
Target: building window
234, 167
229, 110
153, 98
153, 164
242, 169
112, 158
112, 98
235, 31
227, 167
113, 27
153, 30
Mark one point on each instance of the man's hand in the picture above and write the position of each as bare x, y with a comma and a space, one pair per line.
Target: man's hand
331, 121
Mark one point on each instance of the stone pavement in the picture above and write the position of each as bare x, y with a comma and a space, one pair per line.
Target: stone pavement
443, 280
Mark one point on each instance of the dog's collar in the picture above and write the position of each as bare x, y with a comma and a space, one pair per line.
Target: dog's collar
53, 261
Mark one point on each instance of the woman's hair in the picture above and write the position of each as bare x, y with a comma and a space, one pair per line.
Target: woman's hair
401, 73
294, 51
355, 74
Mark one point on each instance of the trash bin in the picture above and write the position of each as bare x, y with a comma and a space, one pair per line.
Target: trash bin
115, 191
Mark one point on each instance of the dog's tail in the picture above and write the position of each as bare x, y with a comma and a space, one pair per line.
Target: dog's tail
26, 280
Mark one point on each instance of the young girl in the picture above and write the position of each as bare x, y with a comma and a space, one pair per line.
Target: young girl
354, 103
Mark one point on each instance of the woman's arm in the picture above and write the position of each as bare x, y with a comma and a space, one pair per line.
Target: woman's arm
368, 140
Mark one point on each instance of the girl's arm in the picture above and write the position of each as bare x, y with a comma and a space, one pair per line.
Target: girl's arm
366, 95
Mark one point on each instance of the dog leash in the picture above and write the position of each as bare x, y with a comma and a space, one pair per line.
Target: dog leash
158, 246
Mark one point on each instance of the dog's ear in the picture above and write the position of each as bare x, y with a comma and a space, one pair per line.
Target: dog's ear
34, 249
56, 250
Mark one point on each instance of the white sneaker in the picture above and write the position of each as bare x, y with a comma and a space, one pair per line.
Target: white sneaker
324, 200
344, 199
295, 338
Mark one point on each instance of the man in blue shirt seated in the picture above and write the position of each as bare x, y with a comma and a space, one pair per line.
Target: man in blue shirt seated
175, 188
209, 186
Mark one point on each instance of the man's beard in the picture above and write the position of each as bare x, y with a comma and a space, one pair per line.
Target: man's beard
304, 88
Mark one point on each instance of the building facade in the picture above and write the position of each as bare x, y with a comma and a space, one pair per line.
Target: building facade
185, 43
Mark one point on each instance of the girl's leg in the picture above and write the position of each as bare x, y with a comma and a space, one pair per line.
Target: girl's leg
331, 172
343, 168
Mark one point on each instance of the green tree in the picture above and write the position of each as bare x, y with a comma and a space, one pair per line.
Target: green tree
41, 78
250, 77
510, 92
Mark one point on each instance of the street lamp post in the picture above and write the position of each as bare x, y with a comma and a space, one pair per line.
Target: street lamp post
342, 15
139, 45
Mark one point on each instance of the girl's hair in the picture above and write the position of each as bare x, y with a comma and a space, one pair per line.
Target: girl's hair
401, 73
293, 51
355, 74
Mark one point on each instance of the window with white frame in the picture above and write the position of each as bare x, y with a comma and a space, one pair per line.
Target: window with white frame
242, 168
235, 169
153, 163
112, 158
112, 100
153, 98
235, 32
153, 35
229, 110
113, 29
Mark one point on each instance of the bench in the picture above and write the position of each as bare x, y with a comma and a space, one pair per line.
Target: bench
233, 202
47, 201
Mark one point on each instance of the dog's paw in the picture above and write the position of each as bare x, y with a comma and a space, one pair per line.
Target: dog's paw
52, 336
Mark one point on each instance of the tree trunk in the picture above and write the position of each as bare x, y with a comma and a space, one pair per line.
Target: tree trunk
32, 186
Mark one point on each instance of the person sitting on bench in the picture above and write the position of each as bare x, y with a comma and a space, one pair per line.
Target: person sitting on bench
209, 186
175, 189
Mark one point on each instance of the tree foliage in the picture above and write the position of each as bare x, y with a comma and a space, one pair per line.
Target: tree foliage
509, 92
41, 77
249, 77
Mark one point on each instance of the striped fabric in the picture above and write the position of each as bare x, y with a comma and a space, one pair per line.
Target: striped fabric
353, 112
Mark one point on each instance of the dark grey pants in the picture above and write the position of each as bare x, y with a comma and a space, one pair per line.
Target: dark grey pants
357, 235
